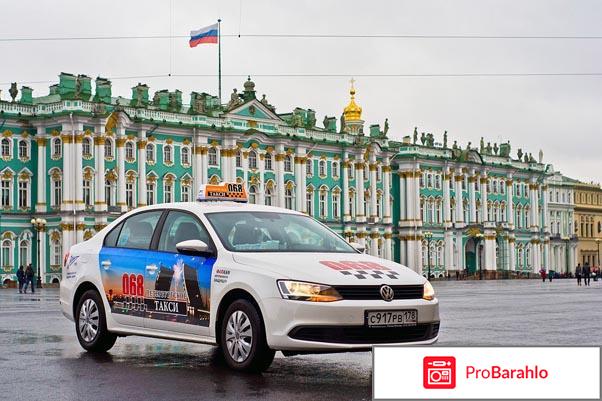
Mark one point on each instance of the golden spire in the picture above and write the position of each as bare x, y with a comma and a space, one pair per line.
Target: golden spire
352, 112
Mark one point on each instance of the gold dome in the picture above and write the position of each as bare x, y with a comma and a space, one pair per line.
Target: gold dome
352, 112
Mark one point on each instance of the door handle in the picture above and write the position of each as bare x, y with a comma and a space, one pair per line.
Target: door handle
106, 264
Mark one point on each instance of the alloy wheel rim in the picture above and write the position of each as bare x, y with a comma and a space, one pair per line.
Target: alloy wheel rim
239, 336
88, 320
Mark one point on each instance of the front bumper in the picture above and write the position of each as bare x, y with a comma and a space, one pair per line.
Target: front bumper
323, 326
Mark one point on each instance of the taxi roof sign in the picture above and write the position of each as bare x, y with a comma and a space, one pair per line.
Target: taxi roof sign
227, 191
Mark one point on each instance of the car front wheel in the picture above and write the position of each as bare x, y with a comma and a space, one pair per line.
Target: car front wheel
243, 340
91, 324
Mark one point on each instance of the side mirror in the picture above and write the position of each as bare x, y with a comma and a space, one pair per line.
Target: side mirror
194, 246
358, 247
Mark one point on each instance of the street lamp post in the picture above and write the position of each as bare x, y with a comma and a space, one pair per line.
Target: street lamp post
598, 240
38, 225
428, 236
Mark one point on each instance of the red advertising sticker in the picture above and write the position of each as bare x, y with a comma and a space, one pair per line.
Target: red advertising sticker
439, 372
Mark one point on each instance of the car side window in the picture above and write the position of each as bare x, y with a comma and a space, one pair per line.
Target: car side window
111, 238
178, 227
137, 231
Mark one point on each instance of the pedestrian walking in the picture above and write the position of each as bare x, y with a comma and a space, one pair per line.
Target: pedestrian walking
578, 272
542, 271
29, 278
21, 278
586, 274
551, 275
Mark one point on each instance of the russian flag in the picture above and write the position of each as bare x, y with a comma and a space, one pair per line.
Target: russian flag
204, 35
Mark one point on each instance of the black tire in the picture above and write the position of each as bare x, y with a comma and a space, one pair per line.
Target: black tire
260, 356
102, 340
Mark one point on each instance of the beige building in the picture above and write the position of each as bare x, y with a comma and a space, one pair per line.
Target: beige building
588, 222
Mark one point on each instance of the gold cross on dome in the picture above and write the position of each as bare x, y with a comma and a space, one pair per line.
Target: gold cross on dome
352, 81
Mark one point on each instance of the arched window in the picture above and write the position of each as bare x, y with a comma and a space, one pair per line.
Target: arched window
185, 156
150, 153
252, 159
6, 192
23, 149
129, 150
437, 181
23, 195
57, 148
168, 189
429, 180
253, 194
185, 192
267, 159
322, 203
150, 192
212, 156
56, 184
308, 168
309, 202
87, 147
56, 252
7, 254
288, 197
322, 168
336, 207
6, 148
238, 159
288, 165
24, 257
269, 193
87, 192
167, 154
108, 148
335, 169
110, 192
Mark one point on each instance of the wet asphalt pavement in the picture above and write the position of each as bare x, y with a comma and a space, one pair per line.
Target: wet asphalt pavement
40, 358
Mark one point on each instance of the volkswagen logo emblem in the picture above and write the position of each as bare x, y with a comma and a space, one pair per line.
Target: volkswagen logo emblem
387, 293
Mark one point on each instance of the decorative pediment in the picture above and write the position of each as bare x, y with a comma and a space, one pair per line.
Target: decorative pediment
253, 110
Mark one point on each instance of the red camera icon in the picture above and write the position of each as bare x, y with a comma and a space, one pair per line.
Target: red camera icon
439, 372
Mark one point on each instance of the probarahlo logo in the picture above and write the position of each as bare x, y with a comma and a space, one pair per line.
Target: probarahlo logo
439, 372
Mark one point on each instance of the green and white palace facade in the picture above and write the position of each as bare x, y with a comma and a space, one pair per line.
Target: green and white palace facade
79, 157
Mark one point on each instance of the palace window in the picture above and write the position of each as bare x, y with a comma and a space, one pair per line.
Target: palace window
288, 165
167, 154
269, 193
351, 172
429, 180
56, 252
86, 147
23, 149
288, 198
322, 168
6, 147
253, 194
437, 181
336, 206
378, 173
422, 180
335, 170
87, 192
322, 204
57, 193
129, 151
238, 159
185, 192
185, 156
7, 254
150, 193
129, 194
57, 148
168, 191
24, 257
308, 168
351, 201
5, 193
23, 194
252, 159
268, 161
108, 148
110, 192
379, 205
212, 156
150, 153
309, 202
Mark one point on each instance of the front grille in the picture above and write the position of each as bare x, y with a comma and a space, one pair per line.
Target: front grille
373, 291
365, 335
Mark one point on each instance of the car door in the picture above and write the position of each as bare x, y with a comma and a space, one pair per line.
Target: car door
123, 266
178, 285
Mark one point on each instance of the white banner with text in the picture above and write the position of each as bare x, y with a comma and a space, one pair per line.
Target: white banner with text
486, 372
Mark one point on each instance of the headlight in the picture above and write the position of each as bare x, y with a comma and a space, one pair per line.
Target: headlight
429, 292
301, 291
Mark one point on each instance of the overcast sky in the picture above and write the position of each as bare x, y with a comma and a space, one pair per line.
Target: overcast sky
560, 114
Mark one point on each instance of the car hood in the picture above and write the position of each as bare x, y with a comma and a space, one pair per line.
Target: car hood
331, 268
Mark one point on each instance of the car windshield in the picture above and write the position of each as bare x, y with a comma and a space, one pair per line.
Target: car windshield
275, 232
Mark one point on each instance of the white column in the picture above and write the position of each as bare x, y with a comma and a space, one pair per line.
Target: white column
449, 250
68, 173
386, 171
388, 254
299, 183
204, 163
79, 172
141, 146
483, 182
42, 176
458, 178
223, 152
372, 168
509, 203
42, 261
402, 202
261, 184
512, 254
359, 179
121, 204
472, 198
374, 236
345, 164
446, 198
100, 203
304, 181
411, 203
280, 184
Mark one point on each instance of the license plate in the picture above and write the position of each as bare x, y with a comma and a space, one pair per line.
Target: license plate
392, 318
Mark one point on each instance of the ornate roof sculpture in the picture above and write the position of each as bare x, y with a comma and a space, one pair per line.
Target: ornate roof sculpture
353, 112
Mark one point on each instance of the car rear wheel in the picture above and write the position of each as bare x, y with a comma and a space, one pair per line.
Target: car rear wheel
242, 338
91, 324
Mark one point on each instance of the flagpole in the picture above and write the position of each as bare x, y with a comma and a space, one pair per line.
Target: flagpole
219, 62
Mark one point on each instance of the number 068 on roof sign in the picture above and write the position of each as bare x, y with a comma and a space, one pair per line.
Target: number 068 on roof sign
226, 191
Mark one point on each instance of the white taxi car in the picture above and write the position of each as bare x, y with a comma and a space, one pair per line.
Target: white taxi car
251, 279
